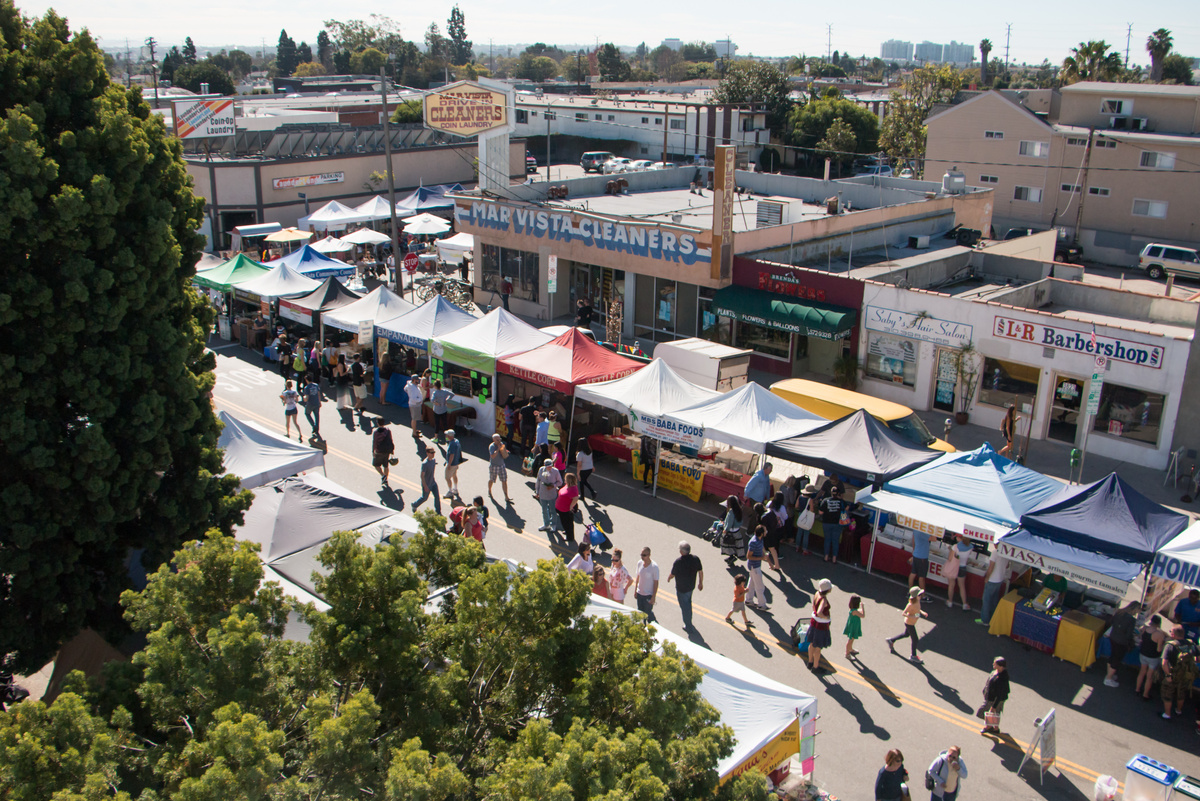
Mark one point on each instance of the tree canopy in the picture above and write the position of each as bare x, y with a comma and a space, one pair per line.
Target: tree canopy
193, 76
460, 45
1091, 61
1177, 69
613, 66
810, 123
107, 436
759, 83
503, 689
902, 135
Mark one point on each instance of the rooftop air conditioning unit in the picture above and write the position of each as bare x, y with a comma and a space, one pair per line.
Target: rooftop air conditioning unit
1119, 123
1139, 124
770, 212
918, 242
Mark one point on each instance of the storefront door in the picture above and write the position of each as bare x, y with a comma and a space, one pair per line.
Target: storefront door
1065, 406
945, 380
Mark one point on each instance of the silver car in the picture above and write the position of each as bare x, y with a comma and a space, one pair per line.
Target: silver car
1158, 260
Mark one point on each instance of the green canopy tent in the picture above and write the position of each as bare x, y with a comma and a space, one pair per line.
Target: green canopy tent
222, 277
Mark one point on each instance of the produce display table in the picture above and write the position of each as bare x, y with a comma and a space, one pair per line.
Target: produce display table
1036, 629
724, 487
1073, 636
611, 446
1078, 636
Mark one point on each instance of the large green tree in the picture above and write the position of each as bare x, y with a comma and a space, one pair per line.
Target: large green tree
1177, 69
902, 135
107, 435
503, 689
810, 123
456, 31
613, 66
285, 54
757, 83
535, 68
1091, 61
193, 76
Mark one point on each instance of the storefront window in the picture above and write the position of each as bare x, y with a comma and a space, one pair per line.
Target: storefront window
664, 309
709, 322
1003, 381
520, 267
892, 358
1129, 413
767, 341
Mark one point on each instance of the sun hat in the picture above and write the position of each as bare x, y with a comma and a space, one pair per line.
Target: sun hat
913, 592
824, 585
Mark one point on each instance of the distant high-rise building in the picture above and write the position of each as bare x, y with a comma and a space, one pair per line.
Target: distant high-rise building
725, 48
896, 50
674, 44
927, 52
958, 53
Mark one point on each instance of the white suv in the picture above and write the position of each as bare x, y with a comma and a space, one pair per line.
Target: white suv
1158, 260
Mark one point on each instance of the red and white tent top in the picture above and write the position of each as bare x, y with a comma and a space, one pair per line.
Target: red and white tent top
567, 361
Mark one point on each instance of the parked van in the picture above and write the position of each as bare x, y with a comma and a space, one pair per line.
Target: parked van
833, 403
1158, 260
594, 160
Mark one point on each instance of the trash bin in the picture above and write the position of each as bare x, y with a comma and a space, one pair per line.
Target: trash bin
1187, 787
1106, 788
1147, 779
223, 328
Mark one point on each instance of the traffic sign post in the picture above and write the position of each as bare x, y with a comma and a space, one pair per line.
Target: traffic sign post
410, 266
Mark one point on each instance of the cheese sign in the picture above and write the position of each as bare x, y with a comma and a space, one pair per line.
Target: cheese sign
913, 524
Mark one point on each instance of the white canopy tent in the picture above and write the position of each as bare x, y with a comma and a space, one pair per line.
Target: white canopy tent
365, 236
425, 223
748, 418
331, 244
1179, 559
647, 395
280, 282
259, 456
452, 249
375, 209
332, 216
381, 304
760, 710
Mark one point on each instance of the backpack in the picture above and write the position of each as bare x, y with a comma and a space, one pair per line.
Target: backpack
1185, 664
933, 775
298, 362
381, 441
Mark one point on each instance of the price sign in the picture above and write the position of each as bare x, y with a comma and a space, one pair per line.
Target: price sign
410, 262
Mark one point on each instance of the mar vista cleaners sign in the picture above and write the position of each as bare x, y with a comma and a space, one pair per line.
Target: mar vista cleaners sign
918, 326
1121, 350
647, 241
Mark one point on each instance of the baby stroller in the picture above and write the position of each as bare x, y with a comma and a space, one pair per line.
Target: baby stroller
597, 537
799, 635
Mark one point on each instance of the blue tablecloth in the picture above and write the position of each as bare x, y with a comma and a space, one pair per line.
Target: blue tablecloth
1034, 628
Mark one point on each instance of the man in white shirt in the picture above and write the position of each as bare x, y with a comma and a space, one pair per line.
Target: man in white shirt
993, 587
645, 582
416, 399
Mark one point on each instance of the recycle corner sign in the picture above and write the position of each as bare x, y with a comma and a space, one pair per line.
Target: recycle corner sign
466, 109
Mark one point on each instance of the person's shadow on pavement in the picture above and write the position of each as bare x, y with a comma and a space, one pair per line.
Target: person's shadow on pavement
880, 686
851, 703
392, 498
945, 691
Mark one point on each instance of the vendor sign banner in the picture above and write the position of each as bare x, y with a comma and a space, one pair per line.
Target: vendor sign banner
1176, 569
668, 430
676, 477
1079, 575
773, 753
1122, 350
299, 314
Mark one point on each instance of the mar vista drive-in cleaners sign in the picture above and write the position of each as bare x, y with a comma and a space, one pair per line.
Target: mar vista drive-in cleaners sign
647, 241
466, 109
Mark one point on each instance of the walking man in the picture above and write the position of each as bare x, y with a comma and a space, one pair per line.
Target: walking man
382, 447
912, 613
497, 469
549, 481
416, 400
429, 485
645, 581
1179, 671
920, 561
527, 416
995, 693
453, 460
948, 769
312, 404
690, 574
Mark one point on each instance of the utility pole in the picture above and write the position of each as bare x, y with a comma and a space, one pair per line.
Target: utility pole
1007, 38
150, 43
548, 139
666, 127
387, 150
1128, 36
128, 66
1087, 157
491, 59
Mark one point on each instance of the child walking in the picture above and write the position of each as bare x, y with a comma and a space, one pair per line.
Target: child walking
853, 628
739, 602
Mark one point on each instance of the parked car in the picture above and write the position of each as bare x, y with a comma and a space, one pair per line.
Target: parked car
616, 165
641, 165
876, 169
662, 165
594, 160
531, 164
1158, 260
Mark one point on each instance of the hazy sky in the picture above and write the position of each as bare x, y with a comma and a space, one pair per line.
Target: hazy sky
772, 28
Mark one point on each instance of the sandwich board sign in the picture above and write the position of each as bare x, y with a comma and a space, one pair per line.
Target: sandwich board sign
1043, 742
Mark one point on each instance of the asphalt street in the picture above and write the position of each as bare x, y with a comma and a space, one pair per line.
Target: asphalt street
867, 706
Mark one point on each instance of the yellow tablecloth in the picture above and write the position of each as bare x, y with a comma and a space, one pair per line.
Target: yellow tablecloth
1002, 618
1078, 634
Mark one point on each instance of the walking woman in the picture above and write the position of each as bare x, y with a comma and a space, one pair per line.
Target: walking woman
1150, 654
733, 540
819, 636
341, 383
995, 693
912, 613
568, 500
585, 464
1008, 427
806, 517
954, 574
890, 781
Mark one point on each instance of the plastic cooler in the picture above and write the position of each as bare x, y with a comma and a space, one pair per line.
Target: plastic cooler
1147, 779
1186, 787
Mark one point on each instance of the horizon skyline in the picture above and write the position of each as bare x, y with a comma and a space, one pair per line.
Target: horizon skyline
559, 25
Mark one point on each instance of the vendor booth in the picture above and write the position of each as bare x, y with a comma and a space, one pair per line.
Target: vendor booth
453, 249
250, 237
377, 208
1098, 538
312, 263
280, 281
413, 331
771, 722
307, 309
428, 198
465, 361
220, 279
333, 216
549, 375
352, 323
331, 244
978, 493
258, 456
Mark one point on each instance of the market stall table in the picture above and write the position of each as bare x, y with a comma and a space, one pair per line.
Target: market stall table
611, 446
454, 410
1078, 638
1073, 636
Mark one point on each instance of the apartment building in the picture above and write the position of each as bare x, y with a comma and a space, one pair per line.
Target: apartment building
1114, 165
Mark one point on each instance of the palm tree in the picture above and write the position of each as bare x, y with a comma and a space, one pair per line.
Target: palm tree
1091, 61
985, 47
1158, 45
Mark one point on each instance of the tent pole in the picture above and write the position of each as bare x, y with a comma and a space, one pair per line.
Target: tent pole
657, 461
874, 537
570, 431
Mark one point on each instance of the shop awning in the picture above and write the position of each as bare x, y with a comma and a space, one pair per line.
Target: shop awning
767, 309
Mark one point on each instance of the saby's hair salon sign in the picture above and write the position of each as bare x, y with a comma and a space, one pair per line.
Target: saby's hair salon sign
647, 241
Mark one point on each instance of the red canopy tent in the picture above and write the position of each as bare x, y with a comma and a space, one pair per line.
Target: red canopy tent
567, 361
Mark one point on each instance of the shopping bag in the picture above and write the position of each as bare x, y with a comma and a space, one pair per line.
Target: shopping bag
979, 713
991, 718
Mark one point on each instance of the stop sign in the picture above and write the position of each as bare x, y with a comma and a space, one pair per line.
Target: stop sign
410, 263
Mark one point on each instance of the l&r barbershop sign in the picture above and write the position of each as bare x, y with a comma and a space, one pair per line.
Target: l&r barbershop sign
1121, 350
646, 241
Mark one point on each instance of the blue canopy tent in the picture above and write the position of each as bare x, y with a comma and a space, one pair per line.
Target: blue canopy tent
1100, 535
315, 264
427, 198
